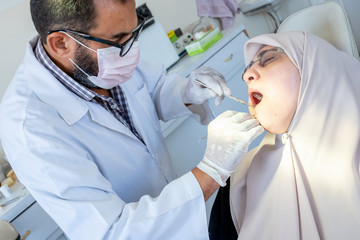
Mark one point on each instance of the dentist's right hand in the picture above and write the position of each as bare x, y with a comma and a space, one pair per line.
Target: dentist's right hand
229, 136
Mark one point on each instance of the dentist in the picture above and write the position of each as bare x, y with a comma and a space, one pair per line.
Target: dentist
80, 127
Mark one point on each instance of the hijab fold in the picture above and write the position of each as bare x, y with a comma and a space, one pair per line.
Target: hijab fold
305, 183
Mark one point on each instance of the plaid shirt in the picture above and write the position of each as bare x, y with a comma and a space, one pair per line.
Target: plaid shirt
117, 104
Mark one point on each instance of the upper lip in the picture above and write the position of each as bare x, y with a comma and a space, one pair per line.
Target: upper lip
251, 93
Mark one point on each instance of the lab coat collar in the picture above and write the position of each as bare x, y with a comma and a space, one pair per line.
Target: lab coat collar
50, 90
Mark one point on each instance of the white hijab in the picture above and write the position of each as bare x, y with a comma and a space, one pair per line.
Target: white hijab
305, 184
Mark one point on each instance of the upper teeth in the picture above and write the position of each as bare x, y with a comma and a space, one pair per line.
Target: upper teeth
258, 96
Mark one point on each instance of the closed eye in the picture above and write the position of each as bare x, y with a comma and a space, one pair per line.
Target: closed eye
267, 61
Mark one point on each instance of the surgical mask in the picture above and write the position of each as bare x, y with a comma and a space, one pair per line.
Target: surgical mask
113, 69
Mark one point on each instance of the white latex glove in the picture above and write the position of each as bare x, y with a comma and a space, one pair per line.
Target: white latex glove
195, 93
229, 136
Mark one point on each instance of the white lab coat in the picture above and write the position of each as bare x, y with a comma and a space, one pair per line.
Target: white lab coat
88, 171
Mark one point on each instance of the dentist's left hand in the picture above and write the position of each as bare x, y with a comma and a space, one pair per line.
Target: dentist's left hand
195, 93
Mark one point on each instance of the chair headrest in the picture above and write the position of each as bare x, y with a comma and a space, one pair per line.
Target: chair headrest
327, 20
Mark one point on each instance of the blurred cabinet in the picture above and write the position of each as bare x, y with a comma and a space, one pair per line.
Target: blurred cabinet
38, 223
26, 215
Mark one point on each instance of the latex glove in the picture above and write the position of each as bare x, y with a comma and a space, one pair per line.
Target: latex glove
229, 137
195, 93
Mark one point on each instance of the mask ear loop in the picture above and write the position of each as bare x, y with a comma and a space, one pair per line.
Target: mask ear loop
83, 46
79, 68
78, 41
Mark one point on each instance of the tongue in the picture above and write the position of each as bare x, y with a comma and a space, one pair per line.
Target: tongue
257, 97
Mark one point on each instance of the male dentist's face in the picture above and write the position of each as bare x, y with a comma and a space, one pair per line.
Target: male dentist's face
114, 21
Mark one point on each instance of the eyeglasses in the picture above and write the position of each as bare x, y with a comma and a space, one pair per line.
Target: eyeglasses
264, 58
124, 47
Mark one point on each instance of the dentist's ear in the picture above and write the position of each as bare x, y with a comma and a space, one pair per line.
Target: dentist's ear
60, 48
59, 45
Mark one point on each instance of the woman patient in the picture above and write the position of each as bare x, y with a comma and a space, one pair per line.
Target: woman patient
302, 181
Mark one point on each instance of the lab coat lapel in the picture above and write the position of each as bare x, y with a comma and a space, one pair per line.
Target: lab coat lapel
147, 123
141, 110
101, 116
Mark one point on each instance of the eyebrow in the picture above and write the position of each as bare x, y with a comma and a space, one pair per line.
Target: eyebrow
124, 34
261, 51
120, 35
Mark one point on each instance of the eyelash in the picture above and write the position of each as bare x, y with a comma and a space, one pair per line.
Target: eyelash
264, 63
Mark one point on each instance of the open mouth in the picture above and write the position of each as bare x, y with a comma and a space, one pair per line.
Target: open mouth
256, 98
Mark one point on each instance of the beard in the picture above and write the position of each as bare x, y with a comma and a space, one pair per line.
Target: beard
89, 65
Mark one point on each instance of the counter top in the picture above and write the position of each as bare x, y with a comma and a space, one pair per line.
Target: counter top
187, 63
19, 200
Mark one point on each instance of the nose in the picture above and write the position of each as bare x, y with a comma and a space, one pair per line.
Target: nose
251, 74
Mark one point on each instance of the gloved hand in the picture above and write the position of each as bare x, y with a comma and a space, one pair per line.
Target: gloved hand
195, 93
229, 136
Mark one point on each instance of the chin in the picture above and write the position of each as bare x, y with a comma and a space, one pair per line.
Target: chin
252, 111
274, 131
270, 125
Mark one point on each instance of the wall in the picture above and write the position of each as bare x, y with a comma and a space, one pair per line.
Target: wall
16, 29
183, 13
174, 13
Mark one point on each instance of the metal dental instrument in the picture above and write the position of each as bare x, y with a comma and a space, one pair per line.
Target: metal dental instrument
239, 100
231, 97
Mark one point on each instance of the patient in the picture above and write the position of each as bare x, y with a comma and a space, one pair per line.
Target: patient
302, 181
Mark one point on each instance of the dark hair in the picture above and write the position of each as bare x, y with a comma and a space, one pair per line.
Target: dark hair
50, 15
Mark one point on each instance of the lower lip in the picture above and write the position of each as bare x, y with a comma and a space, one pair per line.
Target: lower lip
252, 111
256, 101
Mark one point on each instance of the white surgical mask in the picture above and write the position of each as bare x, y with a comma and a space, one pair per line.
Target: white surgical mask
113, 69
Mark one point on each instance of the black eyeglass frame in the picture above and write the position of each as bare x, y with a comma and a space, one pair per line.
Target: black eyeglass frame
260, 57
135, 35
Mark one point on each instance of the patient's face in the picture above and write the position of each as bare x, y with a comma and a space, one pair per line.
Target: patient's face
273, 90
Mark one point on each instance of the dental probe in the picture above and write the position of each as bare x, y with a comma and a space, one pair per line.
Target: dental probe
229, 96
239, 100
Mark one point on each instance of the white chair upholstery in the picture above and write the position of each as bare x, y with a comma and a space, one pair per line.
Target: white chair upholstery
7, 231
327, 20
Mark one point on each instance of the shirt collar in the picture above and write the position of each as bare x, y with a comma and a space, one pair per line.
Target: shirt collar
49, 89
60, 75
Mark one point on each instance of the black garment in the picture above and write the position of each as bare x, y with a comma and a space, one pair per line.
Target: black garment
221, 226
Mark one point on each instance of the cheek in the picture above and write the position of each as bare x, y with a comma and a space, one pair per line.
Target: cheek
276, 112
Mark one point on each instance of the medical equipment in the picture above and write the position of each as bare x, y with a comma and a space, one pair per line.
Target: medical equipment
271, 7
205, 42
250, 7
229, 96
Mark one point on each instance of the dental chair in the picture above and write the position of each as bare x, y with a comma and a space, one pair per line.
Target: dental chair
327, 20
7, 231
